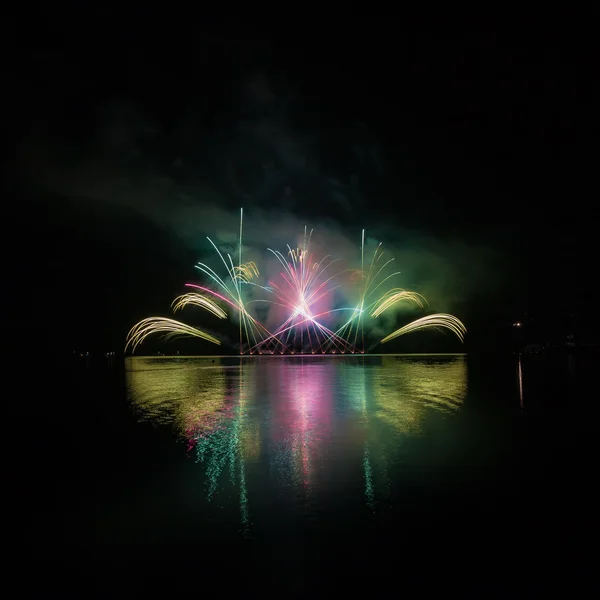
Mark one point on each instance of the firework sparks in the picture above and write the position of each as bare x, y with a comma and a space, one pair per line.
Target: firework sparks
305, 290
246, 272
169, 327
193, 299
306, 284
437, 321
231, 286
394, 296
370, 281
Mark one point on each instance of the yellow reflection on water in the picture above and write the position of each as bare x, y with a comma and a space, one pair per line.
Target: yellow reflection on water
399, 392
187, 394
207, 400
250, 441
404, 391
223, 409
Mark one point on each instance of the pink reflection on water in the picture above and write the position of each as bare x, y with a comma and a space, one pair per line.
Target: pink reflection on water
301, 410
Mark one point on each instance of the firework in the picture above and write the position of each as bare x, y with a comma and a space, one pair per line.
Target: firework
305, 290
246, 272
232, 287
193, 299
369, 282
306, 283
395, 296
437, 321
169, 327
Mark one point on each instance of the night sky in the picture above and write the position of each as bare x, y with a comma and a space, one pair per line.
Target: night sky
467, 149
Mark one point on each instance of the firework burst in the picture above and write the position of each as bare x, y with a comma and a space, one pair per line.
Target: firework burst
304, 291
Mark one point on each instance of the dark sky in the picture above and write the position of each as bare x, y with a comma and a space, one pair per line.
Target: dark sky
465, 147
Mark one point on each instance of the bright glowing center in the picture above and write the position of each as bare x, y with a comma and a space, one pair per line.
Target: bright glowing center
302, 310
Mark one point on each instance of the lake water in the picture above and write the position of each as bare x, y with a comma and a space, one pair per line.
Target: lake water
288, 463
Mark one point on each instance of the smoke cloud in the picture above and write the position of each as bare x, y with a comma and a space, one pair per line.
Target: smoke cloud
287, 171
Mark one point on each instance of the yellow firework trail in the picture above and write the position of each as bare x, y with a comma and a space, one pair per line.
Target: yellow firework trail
169, 327
193, 299
394, 296
246, 272
437, 321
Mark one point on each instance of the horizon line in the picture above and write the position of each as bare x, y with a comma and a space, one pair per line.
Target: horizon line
337, 355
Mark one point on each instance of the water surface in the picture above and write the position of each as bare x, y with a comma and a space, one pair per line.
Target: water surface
289, 461
285, 446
